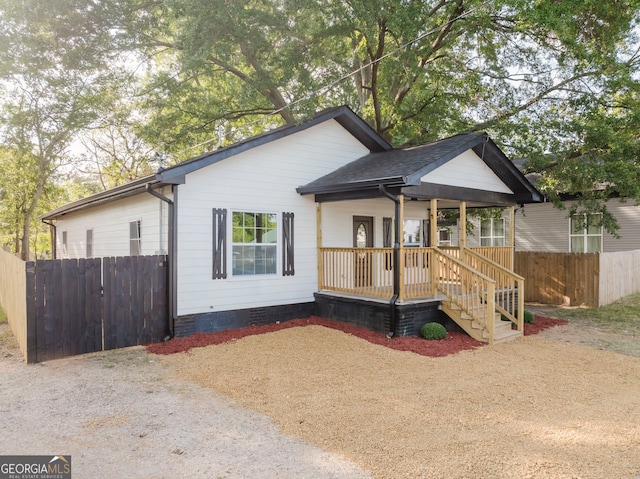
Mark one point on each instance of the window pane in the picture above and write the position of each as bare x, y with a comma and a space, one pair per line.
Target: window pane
577, 226
485, 228
577, 244
593, 227
411, 231
498, 242
593, 244
498, 228
485, 242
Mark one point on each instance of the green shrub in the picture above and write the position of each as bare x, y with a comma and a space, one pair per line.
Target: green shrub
529, 317
433, 331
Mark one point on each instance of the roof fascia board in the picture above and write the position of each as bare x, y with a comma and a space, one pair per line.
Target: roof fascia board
506, 170
390, 182
124, 191
456, 193
343, 115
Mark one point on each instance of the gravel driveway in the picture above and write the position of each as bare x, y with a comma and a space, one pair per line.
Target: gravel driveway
119, 415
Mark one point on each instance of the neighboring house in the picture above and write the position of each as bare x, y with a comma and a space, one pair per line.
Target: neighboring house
306, 219
581, 234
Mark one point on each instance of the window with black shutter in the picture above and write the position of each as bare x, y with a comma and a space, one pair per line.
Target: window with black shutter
219, 243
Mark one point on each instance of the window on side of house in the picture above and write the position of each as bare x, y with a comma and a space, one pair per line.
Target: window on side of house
492, 232
412, 232
254, 243
89, 252
585, 233
135, 245
65, 250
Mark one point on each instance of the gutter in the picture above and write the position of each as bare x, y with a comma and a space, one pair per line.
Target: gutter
393, 320
171, 267
54, 237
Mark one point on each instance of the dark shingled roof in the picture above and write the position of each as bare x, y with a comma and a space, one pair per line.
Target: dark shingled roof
398, 167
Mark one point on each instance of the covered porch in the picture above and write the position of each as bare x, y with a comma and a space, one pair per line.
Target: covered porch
366, 257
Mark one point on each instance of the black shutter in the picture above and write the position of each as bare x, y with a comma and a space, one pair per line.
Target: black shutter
219, 243
287, 244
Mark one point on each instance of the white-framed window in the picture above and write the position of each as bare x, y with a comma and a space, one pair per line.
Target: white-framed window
135, 244
89, 244
444, 237
254, 243
65, 250
492, 232
412, 230
585, 233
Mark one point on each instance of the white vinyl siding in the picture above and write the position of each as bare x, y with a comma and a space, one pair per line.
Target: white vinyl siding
262, 179
111, 227
467, 170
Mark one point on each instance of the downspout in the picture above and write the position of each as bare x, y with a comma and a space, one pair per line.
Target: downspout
54, 237
172, 256
393, 321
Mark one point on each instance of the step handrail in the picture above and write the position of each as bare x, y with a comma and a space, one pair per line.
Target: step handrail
470, 290
507, 283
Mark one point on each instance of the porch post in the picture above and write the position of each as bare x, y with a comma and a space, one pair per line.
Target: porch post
462, 227
433, 222
512, 235
400, 239
319, 244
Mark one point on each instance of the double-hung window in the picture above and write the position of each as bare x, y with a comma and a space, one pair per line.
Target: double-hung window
254, 243
586, 233
492, 232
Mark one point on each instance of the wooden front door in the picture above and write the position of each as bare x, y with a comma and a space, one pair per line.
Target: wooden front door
363, 238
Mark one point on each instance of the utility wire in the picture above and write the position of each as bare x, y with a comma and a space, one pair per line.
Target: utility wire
349, 75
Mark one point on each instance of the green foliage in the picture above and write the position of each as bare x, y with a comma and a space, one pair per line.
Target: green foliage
433, 331
529, 317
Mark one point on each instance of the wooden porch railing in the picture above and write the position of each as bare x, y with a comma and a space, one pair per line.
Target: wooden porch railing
469, 290
503, 255
509, 286
369, 272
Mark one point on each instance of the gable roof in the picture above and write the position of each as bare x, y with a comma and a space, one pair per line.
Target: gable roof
175, 175
351, 122
404, 167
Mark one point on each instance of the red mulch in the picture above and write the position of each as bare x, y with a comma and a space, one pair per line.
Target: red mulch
453, 343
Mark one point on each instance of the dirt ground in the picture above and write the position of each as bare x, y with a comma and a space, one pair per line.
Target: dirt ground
121, 414
536, 407
313, 402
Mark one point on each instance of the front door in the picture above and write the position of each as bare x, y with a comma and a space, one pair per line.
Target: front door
363, 238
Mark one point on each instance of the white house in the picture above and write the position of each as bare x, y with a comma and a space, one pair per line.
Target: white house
304, 219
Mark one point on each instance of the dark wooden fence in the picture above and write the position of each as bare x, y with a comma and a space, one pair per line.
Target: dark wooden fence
77, 306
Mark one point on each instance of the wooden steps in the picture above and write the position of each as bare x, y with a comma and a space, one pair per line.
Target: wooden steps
473, 324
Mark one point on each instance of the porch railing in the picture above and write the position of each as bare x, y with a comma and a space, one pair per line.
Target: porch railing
466, 288
369, 272
509, 286
503, 255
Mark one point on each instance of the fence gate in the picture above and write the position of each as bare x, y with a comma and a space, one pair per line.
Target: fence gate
77, 306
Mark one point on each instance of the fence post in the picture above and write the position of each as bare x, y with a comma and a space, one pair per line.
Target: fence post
30, 298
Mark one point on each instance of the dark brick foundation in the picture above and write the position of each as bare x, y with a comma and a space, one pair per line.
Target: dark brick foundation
375, 316
235, 319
